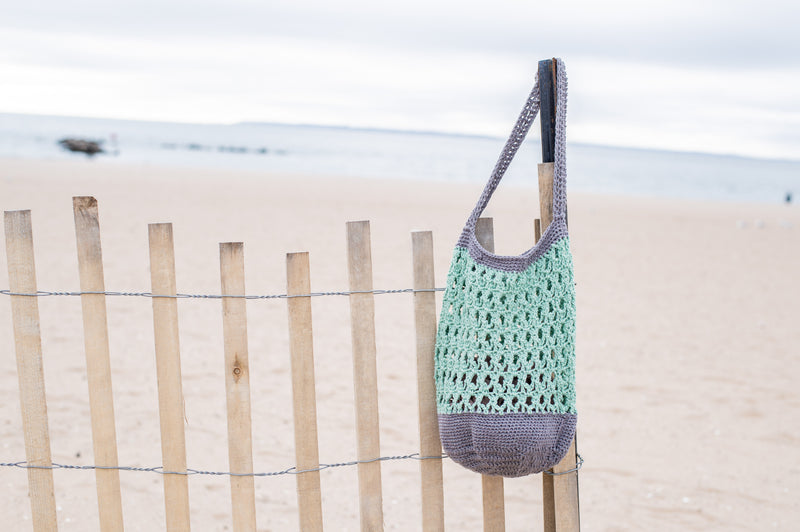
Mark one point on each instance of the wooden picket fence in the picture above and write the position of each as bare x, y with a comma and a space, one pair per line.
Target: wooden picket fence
560, 492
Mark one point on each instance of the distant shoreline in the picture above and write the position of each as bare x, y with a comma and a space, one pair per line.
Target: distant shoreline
381, 154
533, 136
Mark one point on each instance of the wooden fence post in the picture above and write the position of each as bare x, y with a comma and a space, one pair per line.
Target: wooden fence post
560, 503
545, 195
30, 370
561, 507
168, 367
425, 326
362, 326
98, 364
565, 492
301, 348
237, 386
494, 512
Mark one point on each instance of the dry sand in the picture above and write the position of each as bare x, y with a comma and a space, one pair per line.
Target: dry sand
687, 347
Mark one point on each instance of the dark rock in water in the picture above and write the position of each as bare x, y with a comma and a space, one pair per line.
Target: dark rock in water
89, 147
222, 148
232, 149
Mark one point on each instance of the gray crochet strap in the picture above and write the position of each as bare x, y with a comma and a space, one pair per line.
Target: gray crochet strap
518, 134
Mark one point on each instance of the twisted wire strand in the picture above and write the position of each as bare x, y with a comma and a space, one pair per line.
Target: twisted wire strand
578, 465
189, 471
288, 471
47, 293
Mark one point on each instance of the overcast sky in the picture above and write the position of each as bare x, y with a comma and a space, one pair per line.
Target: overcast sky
716, 76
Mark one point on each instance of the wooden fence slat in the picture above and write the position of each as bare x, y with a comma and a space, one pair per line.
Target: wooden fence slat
546, 194
362, 326
30, 369
237, 386
301, 348
425, 326
548, 503
547, 108
546, 213
98, 364
565, 493
168, 367
560, 503
494, 508
484, 232
494, 518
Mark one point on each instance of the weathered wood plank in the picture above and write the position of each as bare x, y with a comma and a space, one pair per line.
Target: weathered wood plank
494, 518
425, 326
494, 508
168, 368
545, 195
237, 386
560, 504
547, 109
565, 493
30, 368
301, 349
362, 324
98, 361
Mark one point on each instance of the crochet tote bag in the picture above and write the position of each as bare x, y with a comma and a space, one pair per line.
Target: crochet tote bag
505, 344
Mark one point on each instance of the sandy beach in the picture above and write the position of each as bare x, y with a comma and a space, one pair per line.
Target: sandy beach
687, 355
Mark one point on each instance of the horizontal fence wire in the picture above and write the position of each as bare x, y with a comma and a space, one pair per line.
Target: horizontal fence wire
288, 471
47, 293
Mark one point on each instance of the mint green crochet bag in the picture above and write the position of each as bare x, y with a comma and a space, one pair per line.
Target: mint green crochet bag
505, 345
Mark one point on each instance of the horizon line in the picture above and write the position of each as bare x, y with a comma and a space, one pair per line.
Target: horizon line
389, 130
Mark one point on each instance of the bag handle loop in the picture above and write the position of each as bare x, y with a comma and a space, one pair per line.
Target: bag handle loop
518, 134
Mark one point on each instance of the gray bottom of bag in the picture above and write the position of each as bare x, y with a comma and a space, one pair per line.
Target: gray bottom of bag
508, 445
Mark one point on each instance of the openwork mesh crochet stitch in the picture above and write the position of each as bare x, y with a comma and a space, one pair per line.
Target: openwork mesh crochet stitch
505, 346
506, 339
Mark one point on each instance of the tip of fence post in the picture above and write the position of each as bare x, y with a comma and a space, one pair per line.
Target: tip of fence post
296, 255
547, 108
84, 202
358, 237
421, 240
162, 227
17, 214
484, 232
357, 223
160, 233
231, 246
484, 224
17, 222
230, 252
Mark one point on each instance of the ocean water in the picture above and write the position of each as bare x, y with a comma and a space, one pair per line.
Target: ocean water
333, 151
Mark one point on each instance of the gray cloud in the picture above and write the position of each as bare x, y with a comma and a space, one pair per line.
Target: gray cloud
644, 73
699, 34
